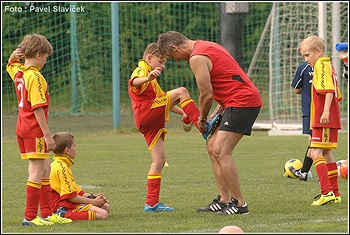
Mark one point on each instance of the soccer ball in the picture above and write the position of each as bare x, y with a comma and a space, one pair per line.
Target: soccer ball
338, 166
343, 170
291, 166
231, 229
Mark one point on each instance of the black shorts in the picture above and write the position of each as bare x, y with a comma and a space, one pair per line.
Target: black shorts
239, 120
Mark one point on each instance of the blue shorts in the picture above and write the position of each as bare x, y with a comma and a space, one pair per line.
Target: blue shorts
306, 125
239, 120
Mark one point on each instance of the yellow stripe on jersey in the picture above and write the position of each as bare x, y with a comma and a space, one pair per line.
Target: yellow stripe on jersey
167, 110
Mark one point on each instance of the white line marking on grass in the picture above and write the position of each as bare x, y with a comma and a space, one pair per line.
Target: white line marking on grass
89, 186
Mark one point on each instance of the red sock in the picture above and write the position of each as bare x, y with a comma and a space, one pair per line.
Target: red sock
322, 172
32, 200
153, 188
191, 110
333, 177
45, 202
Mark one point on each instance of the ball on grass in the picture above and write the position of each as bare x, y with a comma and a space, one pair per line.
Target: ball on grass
291, 166
343, 170
231, 229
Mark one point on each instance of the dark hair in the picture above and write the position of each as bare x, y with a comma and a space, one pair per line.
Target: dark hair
62, 140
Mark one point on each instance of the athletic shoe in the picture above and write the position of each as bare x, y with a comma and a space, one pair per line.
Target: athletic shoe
56, 219
61, 211
323, 199
337, 200
186, 124
211, 126
214, 206
38, 221
302, 175
157, 208
232, 208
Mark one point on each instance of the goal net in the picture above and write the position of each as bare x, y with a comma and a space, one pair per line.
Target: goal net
276, 57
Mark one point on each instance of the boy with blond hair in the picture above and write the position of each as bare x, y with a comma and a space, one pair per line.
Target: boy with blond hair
152, 106
324, 118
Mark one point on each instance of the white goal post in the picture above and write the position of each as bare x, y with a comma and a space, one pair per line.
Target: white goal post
276, 57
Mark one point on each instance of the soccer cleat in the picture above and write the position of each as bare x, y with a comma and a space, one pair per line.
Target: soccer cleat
214, 206
232, 208
56, 219
157, 208
337, 200
211, 126
323, 199
302, 175
186, 124
38, 221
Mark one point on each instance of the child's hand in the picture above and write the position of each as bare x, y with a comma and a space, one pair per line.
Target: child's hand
103, 196
99, 200
18, 53
154, 73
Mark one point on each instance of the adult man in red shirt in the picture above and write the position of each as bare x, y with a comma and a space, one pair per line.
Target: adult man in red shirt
219, 77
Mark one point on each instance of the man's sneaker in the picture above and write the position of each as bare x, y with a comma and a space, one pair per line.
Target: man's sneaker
211, 126
232, 208
302, 175
157, 208
56, 219
38, 221
61, 211
214, 206
186, 124
323, 199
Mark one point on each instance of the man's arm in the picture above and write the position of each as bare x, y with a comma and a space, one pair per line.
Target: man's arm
201, 66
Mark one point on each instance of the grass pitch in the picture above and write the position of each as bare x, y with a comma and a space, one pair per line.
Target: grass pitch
117, 164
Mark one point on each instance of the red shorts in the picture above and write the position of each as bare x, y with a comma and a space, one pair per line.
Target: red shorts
153, 125
32, 148
325, 138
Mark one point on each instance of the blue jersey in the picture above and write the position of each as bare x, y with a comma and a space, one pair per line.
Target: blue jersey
303, 79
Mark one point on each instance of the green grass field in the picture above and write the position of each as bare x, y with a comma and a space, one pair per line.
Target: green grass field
117, 164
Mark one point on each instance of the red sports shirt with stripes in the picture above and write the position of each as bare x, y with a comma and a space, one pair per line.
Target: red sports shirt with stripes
32, 92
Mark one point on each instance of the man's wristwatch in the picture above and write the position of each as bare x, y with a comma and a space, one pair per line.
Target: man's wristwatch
202, 119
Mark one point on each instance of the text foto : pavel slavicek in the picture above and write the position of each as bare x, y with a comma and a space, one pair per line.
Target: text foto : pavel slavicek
70, 8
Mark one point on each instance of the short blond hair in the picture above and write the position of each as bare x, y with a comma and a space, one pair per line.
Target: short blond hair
312, 43
62, 141
33, 44
153, 49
